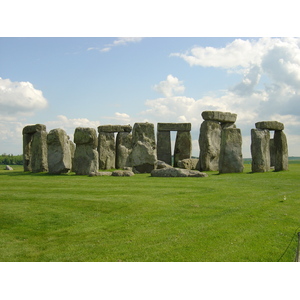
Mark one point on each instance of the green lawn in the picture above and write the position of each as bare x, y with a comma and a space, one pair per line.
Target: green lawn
228, 217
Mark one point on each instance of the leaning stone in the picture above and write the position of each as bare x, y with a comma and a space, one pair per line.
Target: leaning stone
176, 172
143, 155
209, 143
59, 152
260, 150
122, 173
270, 125
107, 150
114, 128
183, 146
8, 168
189, 164
174, 126
281, 151
231, 158
224, 117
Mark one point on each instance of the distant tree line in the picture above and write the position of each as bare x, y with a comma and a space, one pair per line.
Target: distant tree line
10, 159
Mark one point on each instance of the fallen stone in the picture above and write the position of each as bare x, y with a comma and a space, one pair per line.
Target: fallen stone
92, 174
189, 164
122, 173
176, 172
223, 117
161, 165
270, 125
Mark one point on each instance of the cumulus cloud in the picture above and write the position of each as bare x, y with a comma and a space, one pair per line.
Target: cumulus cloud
170, 86
20, 98
121, 41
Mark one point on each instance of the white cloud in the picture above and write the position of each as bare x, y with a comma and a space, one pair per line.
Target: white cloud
170, 86
121, 41
20, 98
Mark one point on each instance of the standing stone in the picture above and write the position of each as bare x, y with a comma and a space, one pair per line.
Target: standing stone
210, 143
164, 152
231, 158
272, 153
72, 152
260, 150
123, 150
281, 151
35, 148
59, 152
86, 159
107, 150
143, 153
183, 146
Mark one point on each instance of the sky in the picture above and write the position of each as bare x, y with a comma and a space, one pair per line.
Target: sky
69, 82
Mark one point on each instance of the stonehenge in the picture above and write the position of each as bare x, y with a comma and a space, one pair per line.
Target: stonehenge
134, 150
267, 152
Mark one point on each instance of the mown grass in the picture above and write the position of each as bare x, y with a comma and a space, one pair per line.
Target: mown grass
228, 217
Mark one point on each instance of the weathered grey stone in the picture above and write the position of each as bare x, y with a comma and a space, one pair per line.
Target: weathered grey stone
281, 151
260, 150
176, 172
122, 173
183, 146
174, 126
85, 136
209, 143
228, 125
107, 150
143, 153
123, 150
270, 125
164, 151
30, 129
93, 174
161, 165
86, 158
114, 128
35, 148
231, 159
189, 164
38, 156
9, 168
59, 152
224, 117
272, 153
72, 151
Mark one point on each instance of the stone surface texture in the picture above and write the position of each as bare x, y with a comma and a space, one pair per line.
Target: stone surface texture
223, 117
183, 146
270, 125
231, 158
176, 172
189, 164
123, 150
281, 151
107, 150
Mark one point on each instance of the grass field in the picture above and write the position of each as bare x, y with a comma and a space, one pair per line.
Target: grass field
230, 217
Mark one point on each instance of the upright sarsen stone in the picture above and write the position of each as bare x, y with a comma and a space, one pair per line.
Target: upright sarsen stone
210, 143
35, 148
123, 150
260, 150
164, 151
107, 150
59, 152
143, 155
281, 151
231, 158
183, 146
86, 159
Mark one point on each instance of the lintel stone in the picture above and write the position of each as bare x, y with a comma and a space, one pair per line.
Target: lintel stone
223, 117
114, 128
174, 126
270, 125
34, 128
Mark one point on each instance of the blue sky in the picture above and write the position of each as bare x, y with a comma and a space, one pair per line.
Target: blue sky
70, 82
